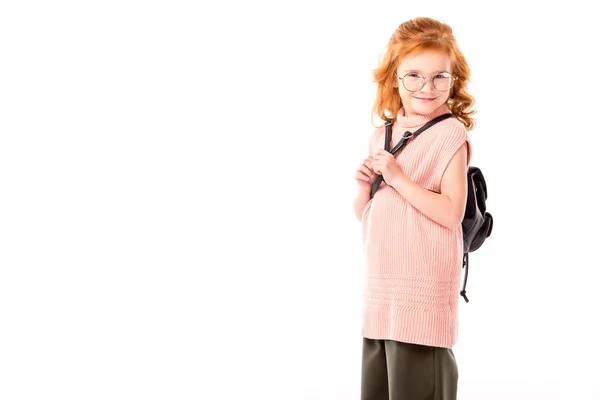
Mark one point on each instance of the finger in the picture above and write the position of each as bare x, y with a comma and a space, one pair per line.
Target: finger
360, 175
378, 167
368, 165
367, 171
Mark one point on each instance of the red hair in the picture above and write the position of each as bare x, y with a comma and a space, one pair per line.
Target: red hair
413, 37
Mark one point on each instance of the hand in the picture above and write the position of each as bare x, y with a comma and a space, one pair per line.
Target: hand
365, 176
385, 164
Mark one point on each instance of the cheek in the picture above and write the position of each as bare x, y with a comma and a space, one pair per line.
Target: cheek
404, 95
444, 98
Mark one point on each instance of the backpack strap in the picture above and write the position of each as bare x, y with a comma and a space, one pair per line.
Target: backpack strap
408, 135
388, 135
463, 292
403, 142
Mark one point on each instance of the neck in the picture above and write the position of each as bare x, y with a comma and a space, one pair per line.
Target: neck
409, 119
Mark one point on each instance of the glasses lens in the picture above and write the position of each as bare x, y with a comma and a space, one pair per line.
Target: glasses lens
443, 82
412, 82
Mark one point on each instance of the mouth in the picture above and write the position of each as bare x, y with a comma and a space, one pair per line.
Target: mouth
424, 98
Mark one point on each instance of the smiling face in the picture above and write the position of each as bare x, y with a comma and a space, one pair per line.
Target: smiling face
430, 64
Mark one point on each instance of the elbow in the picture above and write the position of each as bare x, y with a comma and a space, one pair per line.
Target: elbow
453, 219
453, 224
358, 215
359, 208
454, 215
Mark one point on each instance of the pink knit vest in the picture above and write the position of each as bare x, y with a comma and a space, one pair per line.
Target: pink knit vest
413, 264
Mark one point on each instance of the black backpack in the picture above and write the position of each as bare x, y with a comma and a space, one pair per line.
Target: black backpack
477, 222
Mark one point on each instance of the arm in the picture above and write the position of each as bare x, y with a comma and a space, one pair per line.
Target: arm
363, 194
360, 201
448, 207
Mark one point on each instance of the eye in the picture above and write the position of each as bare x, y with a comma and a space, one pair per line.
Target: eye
412, 75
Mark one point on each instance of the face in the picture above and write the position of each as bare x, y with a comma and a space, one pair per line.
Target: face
431, 63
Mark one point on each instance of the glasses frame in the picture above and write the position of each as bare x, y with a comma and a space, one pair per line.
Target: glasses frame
425, 79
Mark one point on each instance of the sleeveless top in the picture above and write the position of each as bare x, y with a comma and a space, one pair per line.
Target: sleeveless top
413, 264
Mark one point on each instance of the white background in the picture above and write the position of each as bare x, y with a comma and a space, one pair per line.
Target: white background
176, 187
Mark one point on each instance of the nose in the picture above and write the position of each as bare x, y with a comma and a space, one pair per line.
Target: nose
428, 87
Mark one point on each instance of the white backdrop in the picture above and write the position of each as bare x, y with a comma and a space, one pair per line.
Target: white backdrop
176, 187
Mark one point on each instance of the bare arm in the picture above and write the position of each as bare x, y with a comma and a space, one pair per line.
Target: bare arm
448, 207
363, 194
360, 201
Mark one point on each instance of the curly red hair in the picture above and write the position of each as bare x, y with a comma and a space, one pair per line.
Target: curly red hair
413, 37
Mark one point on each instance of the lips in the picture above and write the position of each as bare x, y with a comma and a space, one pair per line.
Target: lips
424, 98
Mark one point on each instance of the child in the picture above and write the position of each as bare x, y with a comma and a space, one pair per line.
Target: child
411, 227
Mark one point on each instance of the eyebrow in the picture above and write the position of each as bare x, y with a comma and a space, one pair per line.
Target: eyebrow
422, 73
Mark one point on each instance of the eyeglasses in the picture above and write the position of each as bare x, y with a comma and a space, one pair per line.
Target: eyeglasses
413, 81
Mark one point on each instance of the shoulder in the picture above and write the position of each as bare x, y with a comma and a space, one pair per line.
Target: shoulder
377, 133
455, 136
450, 134
454, 130
375, 138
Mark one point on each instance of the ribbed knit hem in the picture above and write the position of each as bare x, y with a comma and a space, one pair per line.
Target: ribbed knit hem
418, 326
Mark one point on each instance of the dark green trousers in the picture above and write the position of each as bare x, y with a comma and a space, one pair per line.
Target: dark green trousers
394, 370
